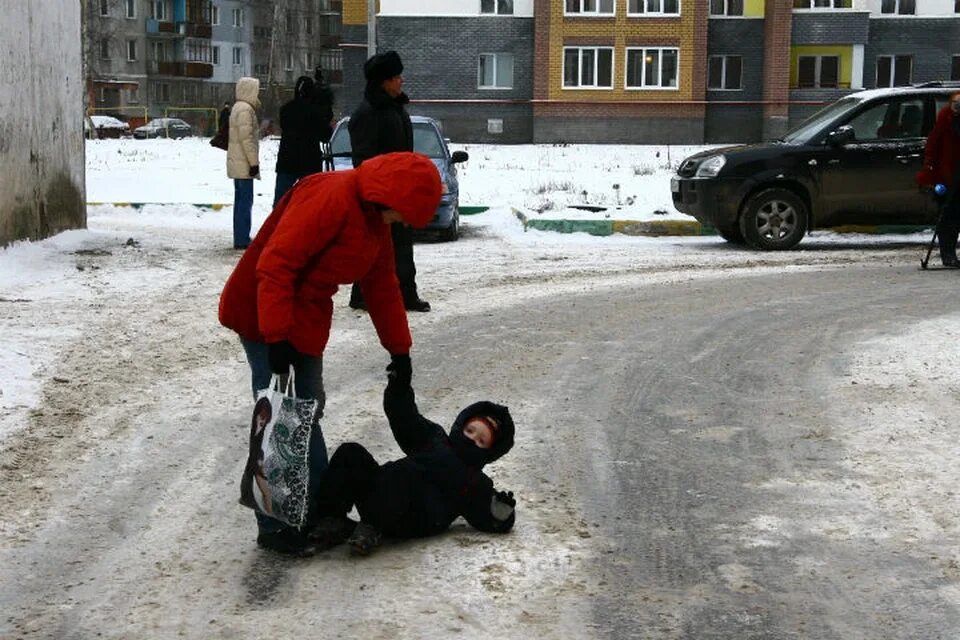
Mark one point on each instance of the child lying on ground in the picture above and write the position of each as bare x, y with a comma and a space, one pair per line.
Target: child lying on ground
421, 494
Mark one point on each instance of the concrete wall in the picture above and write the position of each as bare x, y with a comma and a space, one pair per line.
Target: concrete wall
41, 121
932, 43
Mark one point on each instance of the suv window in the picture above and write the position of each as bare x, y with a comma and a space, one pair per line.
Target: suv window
895, 119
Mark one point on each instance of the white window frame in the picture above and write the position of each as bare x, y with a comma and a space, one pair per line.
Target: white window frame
238, 17
726, 10
215, 54
158, 10
830, 5
131, 50
104, 8
652, 14
131, 9
596, 13
723, 72
133, 94
237, 56
650, 87
105, 48
496, 58
159, 51
496, 9
896, 9
818, 71
288, 66
893, 71
215, 15
596, 68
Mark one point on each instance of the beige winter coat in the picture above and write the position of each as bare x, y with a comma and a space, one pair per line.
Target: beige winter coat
243, 150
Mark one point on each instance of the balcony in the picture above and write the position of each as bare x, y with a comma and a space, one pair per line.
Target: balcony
194, 30
158, 27
180, 69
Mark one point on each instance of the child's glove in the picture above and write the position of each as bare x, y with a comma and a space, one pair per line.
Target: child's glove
400, 370
502, 504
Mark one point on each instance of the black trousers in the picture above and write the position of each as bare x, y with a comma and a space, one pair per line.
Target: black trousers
406, 269
948, 229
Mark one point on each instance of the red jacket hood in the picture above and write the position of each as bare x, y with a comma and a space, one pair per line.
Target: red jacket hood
405, 182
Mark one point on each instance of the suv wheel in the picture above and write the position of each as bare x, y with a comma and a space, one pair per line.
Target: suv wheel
452, 232
773, 219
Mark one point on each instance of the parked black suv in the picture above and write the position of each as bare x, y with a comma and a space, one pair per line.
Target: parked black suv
852, 163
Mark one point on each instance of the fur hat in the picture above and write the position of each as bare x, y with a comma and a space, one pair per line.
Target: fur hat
382, 66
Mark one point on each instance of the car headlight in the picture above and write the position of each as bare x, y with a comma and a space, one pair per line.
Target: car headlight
710, 167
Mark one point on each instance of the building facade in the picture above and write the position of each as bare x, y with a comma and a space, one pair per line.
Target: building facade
683, 71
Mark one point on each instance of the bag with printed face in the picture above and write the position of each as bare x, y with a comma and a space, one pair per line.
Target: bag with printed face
277, 475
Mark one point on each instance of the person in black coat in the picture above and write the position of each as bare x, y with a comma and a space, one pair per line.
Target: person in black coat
381, 125
305, 122
440, 478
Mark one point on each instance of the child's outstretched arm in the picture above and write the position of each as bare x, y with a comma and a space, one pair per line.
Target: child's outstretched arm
491, 510
411, 430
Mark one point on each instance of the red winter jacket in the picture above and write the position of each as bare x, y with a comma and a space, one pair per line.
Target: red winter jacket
942, 152
323, 233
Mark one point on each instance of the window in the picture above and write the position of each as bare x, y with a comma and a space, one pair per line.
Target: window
956, 6
238, 18
498, 7
131, 50
822, 4
588, 7
308, 25
215, 55
652, 68
894, 71
131, 8
815, 72
158, 10
105, 48
889, 120
215, 15
724, 73
159, 51
495, 71
955, 68
133, 94
587, 68
104, 7
238, 56
289, 65
653, 7
189, 93
289, 22
901, 7
726, 7
161, 91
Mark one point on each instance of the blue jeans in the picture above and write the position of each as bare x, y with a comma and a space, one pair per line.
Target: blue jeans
284, 182
309, 383
242, 206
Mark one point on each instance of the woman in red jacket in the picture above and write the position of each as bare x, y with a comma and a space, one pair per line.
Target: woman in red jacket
941, 165
330, 229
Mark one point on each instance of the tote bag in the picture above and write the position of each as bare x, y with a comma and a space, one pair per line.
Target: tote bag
277, 474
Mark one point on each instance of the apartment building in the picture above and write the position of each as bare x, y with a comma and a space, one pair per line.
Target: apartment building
648, 70
150, 58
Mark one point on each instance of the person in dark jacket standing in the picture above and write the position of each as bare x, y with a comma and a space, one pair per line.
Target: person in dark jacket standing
440, 479
941, 165
304, 124
381, 125
223, 119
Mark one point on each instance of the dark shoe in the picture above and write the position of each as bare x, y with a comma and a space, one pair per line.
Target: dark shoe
417, 305
364, 539
951, 263
288, 542
331, 531
240, 246
359, 305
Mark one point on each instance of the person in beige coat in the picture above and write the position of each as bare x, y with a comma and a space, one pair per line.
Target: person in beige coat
243, 156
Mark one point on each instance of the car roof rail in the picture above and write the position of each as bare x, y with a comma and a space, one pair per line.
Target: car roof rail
938, 83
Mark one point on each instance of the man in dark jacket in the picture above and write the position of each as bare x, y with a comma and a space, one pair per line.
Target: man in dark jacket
380, 125
440, 478
304, 124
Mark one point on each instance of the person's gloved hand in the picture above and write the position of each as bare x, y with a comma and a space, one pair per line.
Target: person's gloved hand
282, 355
502, 504
400, 370
255, 171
